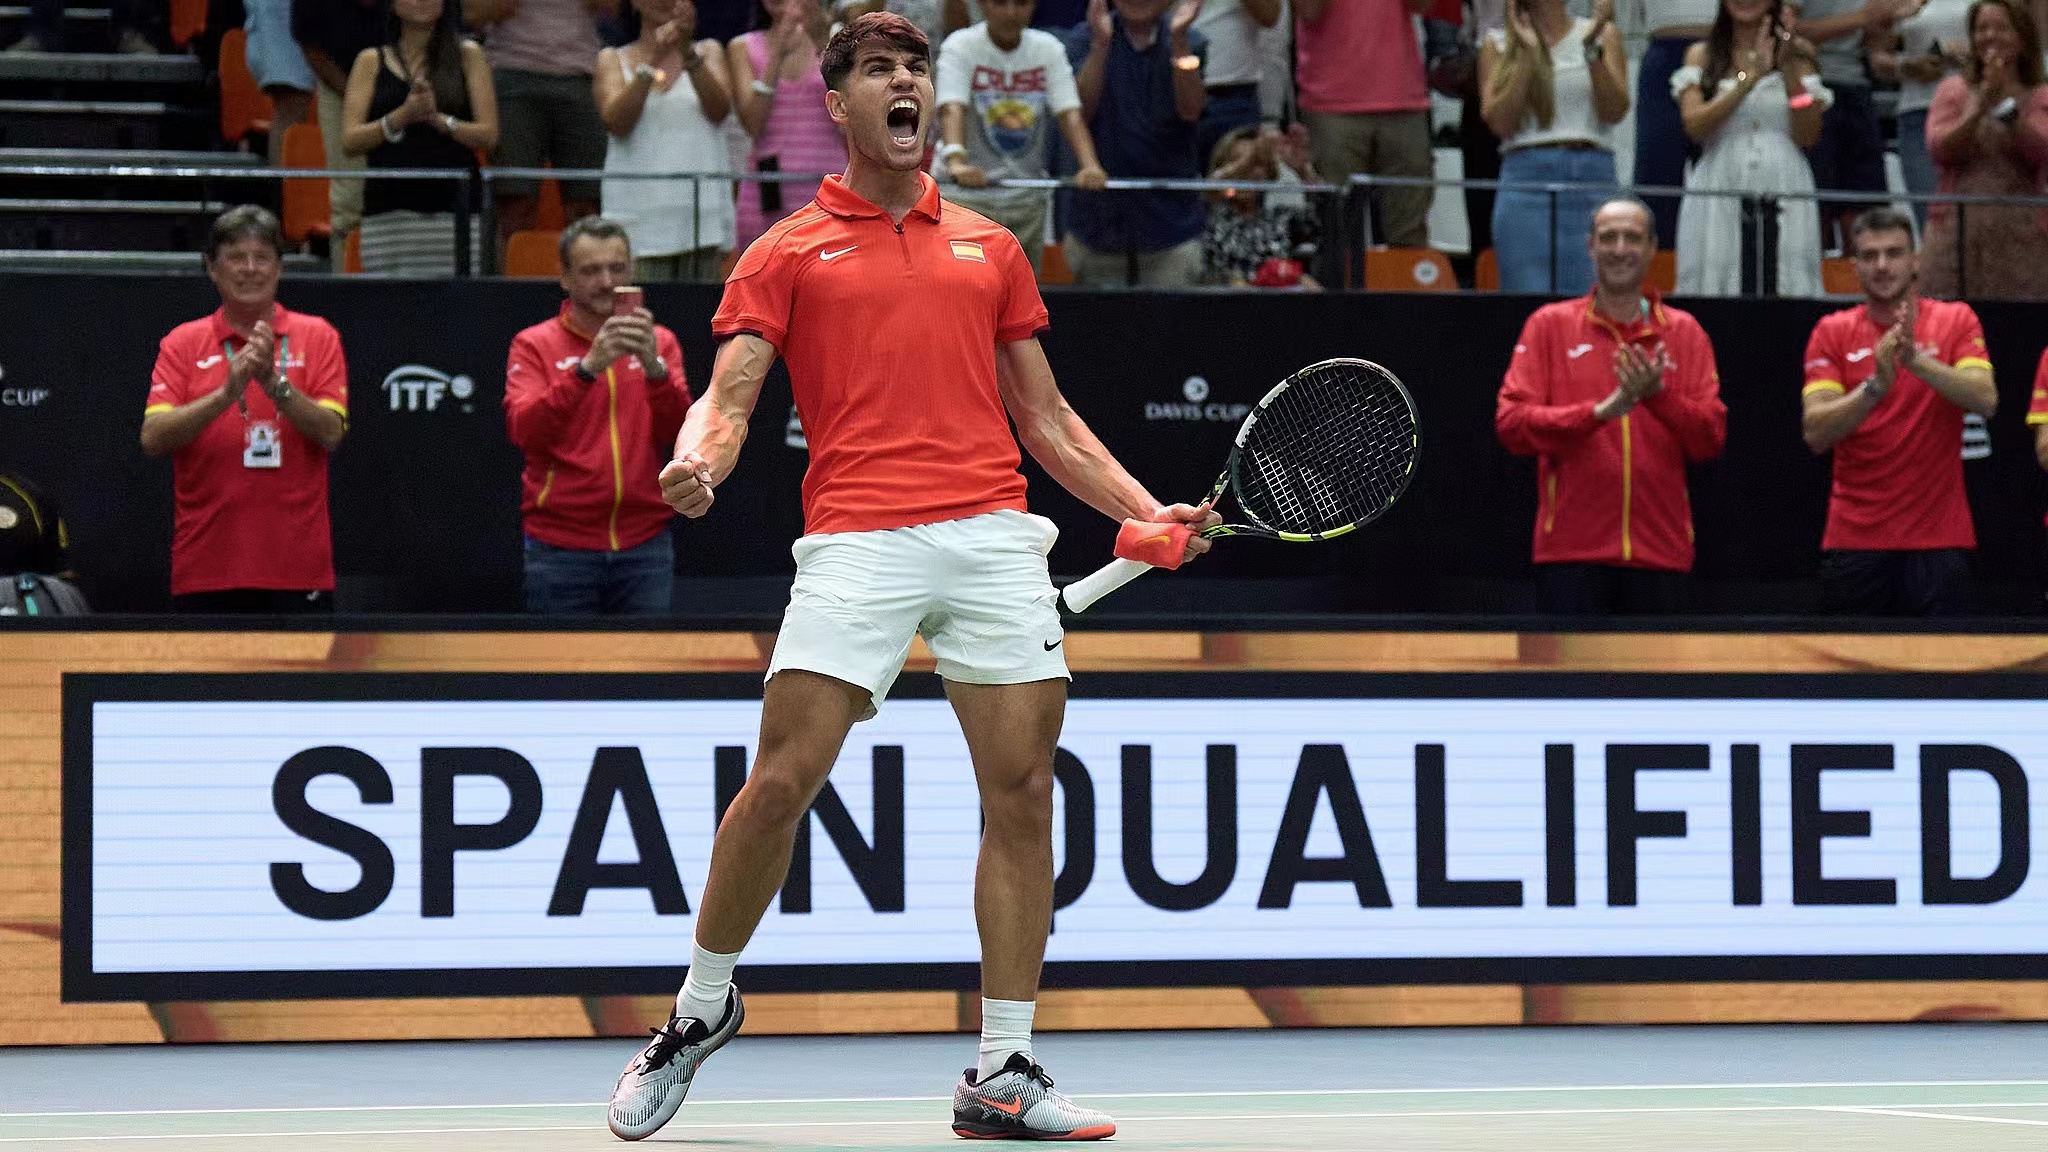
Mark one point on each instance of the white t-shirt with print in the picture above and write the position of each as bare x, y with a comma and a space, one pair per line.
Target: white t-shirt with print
1013, 100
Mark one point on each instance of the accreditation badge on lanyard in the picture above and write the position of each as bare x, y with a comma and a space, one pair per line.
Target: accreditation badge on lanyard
262, 440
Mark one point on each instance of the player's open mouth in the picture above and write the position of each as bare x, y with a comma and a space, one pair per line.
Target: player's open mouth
903, 117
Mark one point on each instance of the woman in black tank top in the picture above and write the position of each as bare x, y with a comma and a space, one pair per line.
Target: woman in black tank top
423, 99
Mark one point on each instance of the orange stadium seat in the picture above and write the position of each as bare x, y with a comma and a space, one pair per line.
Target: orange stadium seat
549, 215
188, 21
306, 210
243, 106
352, 252
1486, 271
1663, 271
532, 252
1408, 270
1052, 267
1838, 277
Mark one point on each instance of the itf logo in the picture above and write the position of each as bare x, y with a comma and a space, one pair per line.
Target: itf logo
416, 387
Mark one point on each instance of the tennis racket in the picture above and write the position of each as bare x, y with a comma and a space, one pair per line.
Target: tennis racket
1327, 451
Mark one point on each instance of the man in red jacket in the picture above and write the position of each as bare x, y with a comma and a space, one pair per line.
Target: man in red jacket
594, 400
1887, 383
1613, 393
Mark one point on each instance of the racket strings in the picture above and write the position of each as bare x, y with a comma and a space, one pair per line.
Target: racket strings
1334, 448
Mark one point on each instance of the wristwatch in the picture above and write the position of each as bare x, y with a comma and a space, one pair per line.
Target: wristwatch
448, 123
281, 390
657, 369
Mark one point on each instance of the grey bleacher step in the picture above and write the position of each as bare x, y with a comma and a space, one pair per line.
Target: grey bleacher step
85, 107
85, 260
93, 15
102, 67
125, 207
126, 158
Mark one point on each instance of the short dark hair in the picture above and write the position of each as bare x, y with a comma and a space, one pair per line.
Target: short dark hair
241, 222
892, 30
595, 227
1881, 219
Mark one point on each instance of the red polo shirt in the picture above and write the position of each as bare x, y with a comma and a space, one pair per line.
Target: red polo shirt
1611, 492
890, 334
238, 526
593, 451
1899, 476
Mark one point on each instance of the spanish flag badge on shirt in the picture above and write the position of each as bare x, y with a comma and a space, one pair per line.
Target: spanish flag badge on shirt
968, 250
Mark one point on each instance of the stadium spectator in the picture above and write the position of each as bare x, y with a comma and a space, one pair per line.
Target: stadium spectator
780, 97
662, 98
331, 34
1454, 71
937, 19
34, 561
594, 398
1358, 77
45, 31
1988, 132
1849, 156
1000, 83
279, 67
1233, 69
248, 403
1662, 145
423, 99
542, 54
1887, 383
1139, 69
1749, 96
1614, 393
1931, 43
1552, 89
1253, 241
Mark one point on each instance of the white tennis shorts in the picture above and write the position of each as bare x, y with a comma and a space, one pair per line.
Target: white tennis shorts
976, 589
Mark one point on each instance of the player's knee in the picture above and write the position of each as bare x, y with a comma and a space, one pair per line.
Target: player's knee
774, 799
1021, 804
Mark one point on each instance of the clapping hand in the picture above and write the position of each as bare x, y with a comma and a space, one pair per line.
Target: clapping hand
1523, 27
256, 360
1183, 18
1100, 26
668, 36
419, 103
1641, 373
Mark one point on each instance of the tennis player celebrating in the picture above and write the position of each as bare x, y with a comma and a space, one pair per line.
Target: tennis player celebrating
910, 330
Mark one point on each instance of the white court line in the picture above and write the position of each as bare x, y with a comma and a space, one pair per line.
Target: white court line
1942, 1116
1493, 1113
1261, 1094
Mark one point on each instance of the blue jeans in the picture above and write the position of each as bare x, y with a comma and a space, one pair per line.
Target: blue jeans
1661, 143
1541, 250
1917, 161
638, 581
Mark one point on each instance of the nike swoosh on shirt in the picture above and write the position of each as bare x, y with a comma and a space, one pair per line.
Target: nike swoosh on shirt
838, 254
1575, 353
209, 362
1049, 646
1859, 354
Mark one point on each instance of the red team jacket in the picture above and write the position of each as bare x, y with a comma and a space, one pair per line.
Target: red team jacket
593, 451
1611, 492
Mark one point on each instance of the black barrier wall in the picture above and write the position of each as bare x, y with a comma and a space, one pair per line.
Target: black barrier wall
426, 488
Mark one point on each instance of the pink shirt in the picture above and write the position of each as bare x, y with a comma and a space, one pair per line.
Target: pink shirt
1360, 57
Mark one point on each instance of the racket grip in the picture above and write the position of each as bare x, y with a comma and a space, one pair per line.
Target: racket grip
1101, 582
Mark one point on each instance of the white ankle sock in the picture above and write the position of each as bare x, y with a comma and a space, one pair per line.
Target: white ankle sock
704, 992
1005, 1028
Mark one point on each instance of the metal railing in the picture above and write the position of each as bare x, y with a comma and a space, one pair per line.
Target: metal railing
1344, 208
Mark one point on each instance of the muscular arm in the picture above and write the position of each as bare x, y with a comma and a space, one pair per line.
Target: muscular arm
1828, 417
717, 423
165, 432
1057, 438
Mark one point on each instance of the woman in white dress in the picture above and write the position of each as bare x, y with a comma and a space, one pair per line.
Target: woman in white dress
662, 98
1749, 96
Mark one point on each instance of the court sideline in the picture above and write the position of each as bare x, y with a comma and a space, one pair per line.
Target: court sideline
1814, 1088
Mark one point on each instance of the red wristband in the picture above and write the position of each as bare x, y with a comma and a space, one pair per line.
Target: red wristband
1160, 545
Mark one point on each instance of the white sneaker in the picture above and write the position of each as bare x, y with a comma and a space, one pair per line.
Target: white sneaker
657, 1078
1017, 1102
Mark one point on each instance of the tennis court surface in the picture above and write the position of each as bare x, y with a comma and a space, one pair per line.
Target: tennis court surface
1759, 1089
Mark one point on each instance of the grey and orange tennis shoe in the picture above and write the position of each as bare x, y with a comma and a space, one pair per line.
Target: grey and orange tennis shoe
656, 1079
1017, 1102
